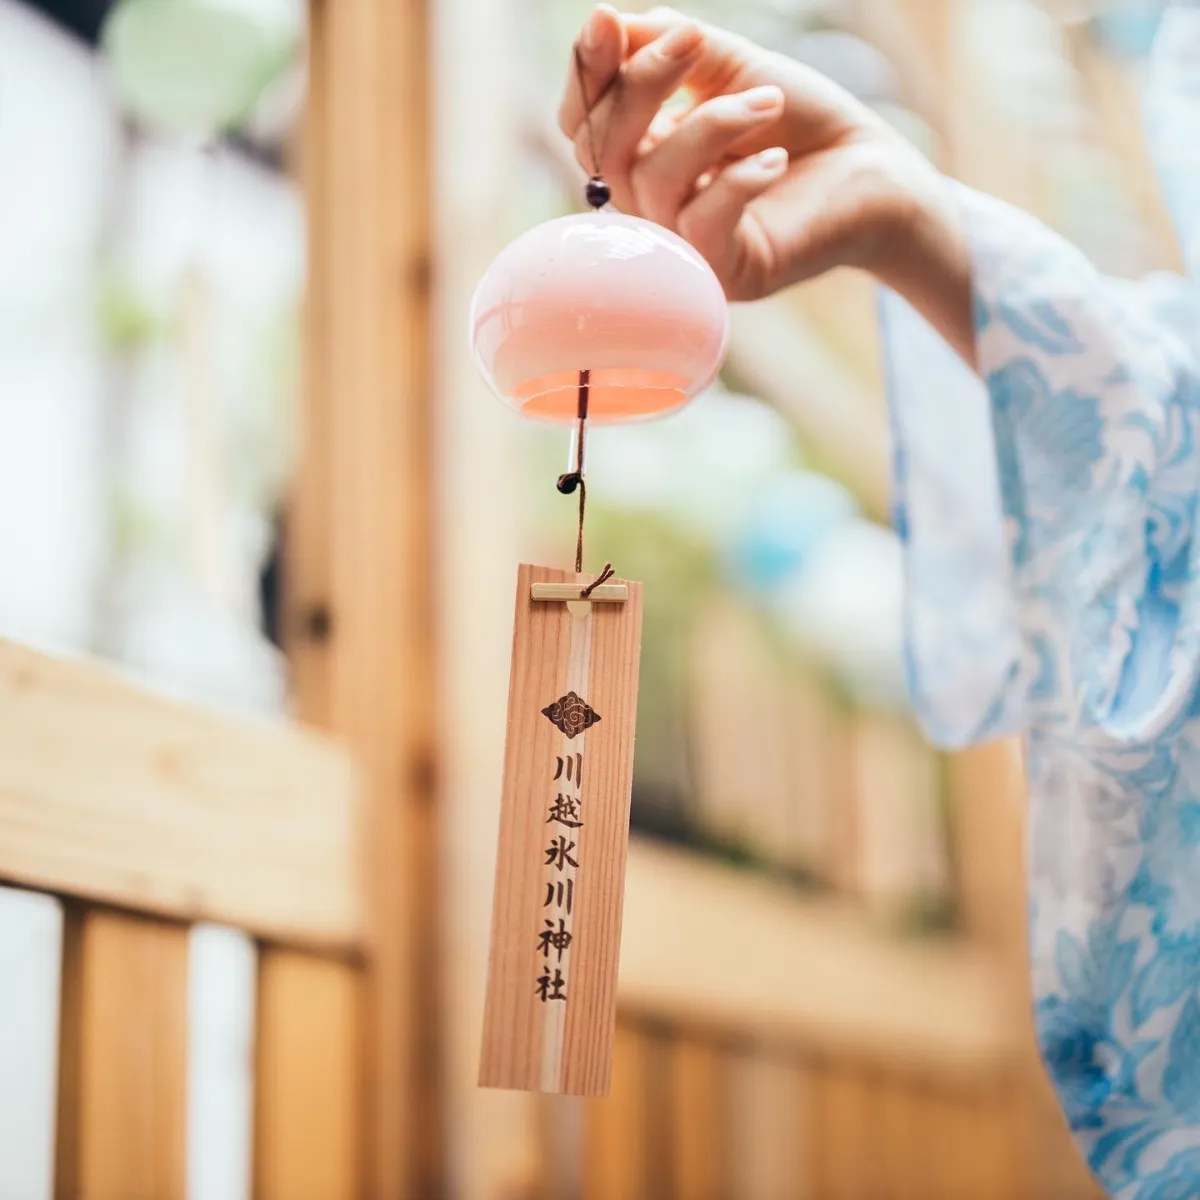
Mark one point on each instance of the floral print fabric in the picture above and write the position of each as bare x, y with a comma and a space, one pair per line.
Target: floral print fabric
1050, 510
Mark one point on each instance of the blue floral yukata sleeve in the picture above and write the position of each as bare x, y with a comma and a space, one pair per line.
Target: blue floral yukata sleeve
1050, 510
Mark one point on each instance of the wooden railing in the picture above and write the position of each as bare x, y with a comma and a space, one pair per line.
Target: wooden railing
145, 816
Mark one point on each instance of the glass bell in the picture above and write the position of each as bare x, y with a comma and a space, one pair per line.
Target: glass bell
616, 302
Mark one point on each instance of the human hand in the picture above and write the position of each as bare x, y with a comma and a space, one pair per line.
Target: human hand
772, 171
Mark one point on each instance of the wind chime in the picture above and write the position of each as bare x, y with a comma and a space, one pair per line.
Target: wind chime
597, 317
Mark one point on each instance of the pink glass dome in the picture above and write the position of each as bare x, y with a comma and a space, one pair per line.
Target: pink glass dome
620, 297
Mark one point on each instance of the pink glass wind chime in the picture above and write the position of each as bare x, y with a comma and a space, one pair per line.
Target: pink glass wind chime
595, 317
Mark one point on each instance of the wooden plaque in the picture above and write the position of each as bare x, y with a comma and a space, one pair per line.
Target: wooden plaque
550, 1012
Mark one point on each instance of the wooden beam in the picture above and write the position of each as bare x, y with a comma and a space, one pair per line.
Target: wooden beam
358, 613
122, 1095
750, 958
111, 793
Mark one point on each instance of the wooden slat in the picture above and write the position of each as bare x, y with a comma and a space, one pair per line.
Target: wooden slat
992, 1164
751, 956
698, 1127
951, 1161
987, 801
562, 1121
617, 1138
843, 1129
768, 1113
901, 848
1052, 1161
932, 1165
937, 1144
309, 1128
121, 1122
113, 794
358, 616
904, 1149
742, 733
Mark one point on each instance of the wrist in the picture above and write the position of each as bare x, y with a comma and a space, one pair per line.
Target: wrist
917, 227
924, 254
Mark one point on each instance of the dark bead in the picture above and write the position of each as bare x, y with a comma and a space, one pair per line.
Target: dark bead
598, 192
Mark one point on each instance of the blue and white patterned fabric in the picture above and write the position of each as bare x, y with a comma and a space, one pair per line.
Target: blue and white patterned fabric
1050, 509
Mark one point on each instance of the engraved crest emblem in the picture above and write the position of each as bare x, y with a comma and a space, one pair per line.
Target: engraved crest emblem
572, 714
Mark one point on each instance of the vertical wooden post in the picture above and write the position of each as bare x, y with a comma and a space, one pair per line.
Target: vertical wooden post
358, 606
122, 1089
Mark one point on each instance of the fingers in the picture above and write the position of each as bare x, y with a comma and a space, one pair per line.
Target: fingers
642, 28
717, 224
664, 178
607, 142
602, 49
649, 79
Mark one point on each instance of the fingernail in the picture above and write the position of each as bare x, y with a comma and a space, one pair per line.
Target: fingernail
762, 99
772, 160
593, 29
680, 42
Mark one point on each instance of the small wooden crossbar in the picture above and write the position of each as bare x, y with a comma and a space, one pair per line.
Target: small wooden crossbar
606, 593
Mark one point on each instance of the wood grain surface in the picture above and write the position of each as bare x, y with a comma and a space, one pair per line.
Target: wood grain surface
548, 871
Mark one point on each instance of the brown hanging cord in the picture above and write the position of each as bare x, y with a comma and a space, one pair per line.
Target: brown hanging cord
606, 574
597, 193
595, 151
573, 479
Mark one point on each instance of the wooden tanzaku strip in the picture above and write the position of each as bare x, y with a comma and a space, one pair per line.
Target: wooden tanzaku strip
610, 593
122, 1069
308, 1095
550, 1009
111, 793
